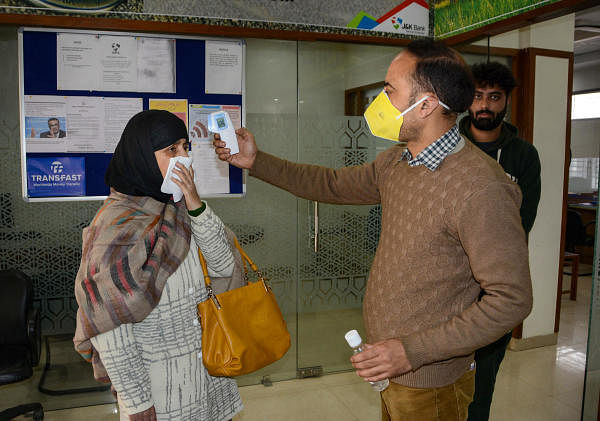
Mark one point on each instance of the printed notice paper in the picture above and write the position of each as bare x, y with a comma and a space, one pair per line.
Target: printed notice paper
117, 112
155, 65
116, 63
223, 67
76, 123
77, 62
210, 174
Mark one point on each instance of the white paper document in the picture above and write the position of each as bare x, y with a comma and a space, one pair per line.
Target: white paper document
155, 65
76, 123
211, 175
116, 63
223, 67
85, 120
117, 112
77, 62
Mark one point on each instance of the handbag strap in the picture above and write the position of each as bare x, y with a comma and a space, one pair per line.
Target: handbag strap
245, 258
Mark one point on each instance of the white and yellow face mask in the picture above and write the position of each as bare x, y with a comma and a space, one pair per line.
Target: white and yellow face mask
385, 120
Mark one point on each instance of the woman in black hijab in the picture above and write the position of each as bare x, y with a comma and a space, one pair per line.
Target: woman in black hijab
133, 169
140, 279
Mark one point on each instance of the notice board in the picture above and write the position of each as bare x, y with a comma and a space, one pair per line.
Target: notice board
78, 89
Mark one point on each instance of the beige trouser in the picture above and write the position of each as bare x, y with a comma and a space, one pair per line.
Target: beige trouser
401, 403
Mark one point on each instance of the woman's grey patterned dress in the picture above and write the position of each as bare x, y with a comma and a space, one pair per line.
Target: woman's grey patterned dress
159, 361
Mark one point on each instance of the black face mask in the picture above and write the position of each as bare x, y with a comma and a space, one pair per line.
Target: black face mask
133, 169
487, 123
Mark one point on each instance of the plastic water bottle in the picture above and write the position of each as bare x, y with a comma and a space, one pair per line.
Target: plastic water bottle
355, 342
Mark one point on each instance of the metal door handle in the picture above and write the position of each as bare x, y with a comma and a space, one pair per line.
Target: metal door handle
316, 233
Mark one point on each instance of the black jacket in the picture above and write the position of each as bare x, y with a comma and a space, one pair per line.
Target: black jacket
521, 162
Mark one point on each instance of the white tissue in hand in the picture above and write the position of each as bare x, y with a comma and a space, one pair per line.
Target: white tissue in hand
168, 185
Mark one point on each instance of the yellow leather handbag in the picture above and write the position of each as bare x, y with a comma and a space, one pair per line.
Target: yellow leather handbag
242, 329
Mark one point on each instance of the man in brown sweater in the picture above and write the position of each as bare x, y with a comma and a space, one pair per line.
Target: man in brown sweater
450, 229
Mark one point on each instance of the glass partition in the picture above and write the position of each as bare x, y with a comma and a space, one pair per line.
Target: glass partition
268, 215
591, 394
336, 244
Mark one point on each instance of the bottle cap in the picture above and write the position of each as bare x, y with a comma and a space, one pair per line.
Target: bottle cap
353, 338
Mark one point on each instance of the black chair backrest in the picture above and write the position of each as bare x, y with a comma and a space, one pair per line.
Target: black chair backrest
575, 232
15, 300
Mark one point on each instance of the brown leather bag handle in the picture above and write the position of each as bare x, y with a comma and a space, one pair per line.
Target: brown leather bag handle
245, 258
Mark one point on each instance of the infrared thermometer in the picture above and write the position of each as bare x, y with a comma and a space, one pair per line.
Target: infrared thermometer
219, 122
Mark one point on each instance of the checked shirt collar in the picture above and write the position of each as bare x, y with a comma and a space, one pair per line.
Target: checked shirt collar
433, 155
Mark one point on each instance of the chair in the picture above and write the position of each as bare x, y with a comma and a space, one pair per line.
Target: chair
571, 259
577, 233
20, 337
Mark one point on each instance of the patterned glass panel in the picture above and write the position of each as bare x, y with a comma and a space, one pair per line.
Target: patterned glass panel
335, 276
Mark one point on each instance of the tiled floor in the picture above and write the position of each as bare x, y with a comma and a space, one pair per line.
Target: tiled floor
539, 384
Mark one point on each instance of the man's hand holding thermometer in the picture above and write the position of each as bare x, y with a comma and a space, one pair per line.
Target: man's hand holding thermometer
245, 148
219, 122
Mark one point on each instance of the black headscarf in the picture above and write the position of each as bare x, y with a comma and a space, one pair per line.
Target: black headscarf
133, 169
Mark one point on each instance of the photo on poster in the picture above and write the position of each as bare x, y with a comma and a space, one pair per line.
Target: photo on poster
45, 127
55, 176
46, 123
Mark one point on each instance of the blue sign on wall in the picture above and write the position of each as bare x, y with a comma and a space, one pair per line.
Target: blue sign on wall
56, 176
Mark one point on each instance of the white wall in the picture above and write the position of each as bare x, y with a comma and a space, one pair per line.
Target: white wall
549, 133
506, 40
549, 136
555, 34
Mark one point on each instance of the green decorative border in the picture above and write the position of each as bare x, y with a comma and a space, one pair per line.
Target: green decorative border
453, 17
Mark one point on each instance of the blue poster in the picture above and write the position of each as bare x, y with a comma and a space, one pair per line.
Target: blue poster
59, 176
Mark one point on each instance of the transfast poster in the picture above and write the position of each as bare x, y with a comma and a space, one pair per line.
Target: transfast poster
57, 176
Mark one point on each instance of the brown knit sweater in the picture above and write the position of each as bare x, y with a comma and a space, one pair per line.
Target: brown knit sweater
445, 235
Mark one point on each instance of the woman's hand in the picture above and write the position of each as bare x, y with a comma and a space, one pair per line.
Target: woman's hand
187, 185
147, 415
